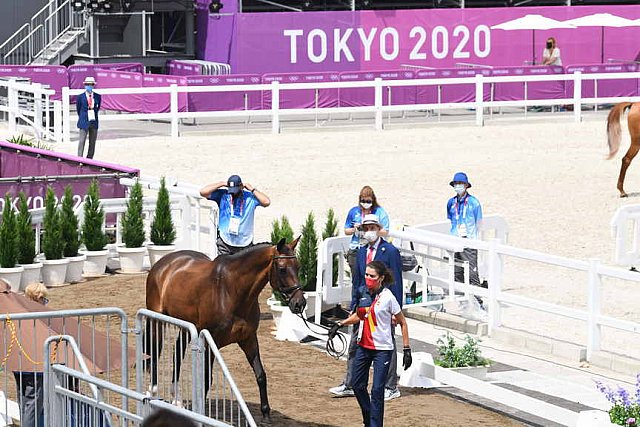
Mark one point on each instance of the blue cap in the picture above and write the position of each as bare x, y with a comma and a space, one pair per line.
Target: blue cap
234, 184
460, 177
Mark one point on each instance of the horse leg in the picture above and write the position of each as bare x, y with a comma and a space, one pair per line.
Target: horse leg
152, 348
252, 352
626, 161
178, 354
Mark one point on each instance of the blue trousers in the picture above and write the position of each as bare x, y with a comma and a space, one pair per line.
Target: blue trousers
372, 407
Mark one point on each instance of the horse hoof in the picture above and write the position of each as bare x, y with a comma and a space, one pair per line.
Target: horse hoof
177, 403
623, 195
266, 421
152, 391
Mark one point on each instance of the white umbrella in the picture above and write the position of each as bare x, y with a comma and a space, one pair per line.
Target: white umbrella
602, 20
532, 22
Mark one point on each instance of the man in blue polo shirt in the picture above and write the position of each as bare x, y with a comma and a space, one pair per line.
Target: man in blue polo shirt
236, 206
465, 213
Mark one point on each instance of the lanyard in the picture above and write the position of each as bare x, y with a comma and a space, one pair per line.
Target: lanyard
90, 101
464, 208
231, 211
366, 315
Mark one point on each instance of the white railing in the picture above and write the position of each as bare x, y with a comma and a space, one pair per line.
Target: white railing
625, 226
496, 298
31, 103
378, 109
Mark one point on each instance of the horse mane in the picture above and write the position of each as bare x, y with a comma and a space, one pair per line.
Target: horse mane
250, 249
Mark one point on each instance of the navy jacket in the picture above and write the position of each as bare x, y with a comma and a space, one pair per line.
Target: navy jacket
82, 107
390, 256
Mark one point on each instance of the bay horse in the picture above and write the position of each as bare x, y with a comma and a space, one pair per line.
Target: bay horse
222, 296
614, 132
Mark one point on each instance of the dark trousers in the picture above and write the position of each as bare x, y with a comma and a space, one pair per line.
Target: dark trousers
93, 135
372, 407
391, 380
30, 394
470, 255
224, 249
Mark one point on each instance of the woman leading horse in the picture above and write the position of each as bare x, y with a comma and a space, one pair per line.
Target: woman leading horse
614, 135
222, 296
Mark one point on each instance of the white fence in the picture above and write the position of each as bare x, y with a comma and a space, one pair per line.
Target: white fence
494, 253
30, 103
378, 109
625, 226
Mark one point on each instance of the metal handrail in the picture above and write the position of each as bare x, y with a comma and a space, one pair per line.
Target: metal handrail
28, 25
25, 40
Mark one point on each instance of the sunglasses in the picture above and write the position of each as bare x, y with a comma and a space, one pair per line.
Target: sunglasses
366, 201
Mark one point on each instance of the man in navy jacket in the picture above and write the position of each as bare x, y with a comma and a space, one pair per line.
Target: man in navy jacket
377, 249
87, 106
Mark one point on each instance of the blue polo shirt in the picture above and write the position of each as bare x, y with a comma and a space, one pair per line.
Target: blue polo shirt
355, 217
466, 211
243, 209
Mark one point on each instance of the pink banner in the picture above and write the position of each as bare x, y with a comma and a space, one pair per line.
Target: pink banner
161, 102
132, 102
55, 77
356, 97
222, 101
599, 88
327, 98
291, 42
180, 68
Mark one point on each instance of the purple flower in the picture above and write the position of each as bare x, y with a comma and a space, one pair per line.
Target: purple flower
608, 393
638, 389
631, 422
623, 397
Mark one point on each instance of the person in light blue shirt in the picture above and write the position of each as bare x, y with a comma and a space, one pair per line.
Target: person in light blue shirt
236, 207
465, 213
368, 204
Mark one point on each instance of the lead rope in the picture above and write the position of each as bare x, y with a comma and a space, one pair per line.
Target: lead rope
330, 346
15, 340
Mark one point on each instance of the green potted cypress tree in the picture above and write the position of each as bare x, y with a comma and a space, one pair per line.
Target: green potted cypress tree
133, 236
9, 246
26, 245
163, 231
54, 266
71, 237
93, 235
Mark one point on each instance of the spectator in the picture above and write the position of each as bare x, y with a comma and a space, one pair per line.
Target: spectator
236, 206
367, 204
465, 213
87, 106
166, 418
379, 250
551, 53
376, 344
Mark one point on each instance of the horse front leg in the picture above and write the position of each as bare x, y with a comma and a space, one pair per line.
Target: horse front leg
252, 352
182, 341
626, 161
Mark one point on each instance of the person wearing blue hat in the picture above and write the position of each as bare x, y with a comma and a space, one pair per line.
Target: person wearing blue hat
465, 213
237, 203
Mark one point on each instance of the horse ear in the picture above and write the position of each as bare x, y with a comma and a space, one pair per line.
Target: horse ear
294, 243
280, 245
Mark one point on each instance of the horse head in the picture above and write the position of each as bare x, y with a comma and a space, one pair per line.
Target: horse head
284, 275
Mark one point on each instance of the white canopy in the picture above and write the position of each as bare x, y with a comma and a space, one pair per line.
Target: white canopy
532, 22
602, 20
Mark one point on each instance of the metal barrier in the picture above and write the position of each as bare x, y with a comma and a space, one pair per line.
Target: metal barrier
224, 401
100, 333
161, 371
625, 225
75, 397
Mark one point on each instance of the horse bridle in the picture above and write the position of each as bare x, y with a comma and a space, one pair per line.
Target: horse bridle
287, 293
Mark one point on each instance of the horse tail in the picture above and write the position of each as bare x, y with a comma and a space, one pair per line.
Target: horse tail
613, 127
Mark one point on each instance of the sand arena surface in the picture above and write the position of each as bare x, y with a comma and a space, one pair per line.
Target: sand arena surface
548, 179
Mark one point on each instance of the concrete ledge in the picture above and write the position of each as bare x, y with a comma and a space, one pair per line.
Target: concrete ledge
539, 344
615, 362
447, 320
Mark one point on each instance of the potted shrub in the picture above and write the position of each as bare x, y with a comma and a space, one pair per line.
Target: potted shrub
71, 238
132, 254
465, 359
93, 235
163, 231
26, 245
9, 246
54, 266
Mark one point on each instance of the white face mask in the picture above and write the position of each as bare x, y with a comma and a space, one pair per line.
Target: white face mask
459, 189
366, 205
371, 236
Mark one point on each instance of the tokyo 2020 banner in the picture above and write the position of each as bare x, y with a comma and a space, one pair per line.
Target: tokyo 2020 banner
379, 40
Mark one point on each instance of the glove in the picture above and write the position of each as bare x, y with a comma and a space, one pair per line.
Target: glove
334, 330
407, 359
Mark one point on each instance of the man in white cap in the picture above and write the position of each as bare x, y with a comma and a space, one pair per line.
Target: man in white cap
236, 206
87, 106
376, 249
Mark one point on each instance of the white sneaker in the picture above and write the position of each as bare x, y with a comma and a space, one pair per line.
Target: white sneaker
390, 394
342, 391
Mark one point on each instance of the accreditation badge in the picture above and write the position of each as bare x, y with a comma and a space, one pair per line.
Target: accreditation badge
462, 230
92, 115
234, 225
